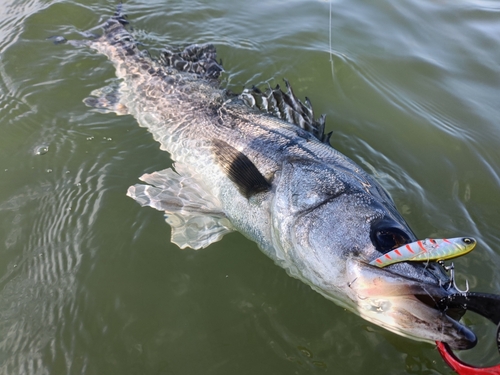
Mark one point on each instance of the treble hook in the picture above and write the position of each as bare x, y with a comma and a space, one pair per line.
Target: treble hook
451, 269
452, 277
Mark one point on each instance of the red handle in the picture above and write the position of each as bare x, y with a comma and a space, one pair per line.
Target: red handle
462, 368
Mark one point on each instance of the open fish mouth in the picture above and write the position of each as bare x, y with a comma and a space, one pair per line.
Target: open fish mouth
406, 306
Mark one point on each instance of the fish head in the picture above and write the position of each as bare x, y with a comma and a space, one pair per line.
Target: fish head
332, 235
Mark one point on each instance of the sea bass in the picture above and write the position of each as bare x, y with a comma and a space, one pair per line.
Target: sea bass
261, 164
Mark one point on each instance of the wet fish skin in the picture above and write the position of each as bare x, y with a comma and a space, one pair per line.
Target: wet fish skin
314, 211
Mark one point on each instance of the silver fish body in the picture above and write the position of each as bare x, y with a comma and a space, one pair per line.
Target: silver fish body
268, 171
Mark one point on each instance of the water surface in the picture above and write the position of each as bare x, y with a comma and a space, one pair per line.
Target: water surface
89, 282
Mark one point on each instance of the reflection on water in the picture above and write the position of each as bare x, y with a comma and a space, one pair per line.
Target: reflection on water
89, 282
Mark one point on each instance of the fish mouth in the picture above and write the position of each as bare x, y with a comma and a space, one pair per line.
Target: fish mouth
406, 306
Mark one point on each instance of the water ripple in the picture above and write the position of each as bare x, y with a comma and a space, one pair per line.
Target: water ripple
39, 293
88, 280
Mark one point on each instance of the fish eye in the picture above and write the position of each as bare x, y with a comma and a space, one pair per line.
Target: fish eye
386, 234
386, 237
389, 239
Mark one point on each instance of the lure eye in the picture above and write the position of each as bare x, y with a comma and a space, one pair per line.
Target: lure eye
468, 241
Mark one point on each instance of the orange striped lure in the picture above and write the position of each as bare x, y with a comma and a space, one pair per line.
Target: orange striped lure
427, 250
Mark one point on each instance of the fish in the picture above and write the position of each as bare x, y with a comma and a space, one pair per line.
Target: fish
259, 162
427, 250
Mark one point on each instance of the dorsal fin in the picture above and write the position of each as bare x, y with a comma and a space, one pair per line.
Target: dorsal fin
286, 106
196, 58
239, 169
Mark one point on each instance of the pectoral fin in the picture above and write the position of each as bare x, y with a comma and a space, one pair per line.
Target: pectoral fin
240, 169
195, 216
107, 100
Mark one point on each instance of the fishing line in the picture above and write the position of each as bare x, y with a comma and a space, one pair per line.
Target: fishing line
330, 40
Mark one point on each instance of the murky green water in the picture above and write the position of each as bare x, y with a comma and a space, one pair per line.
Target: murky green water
89, 282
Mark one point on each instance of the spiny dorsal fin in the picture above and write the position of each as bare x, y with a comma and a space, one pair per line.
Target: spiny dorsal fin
286, 106
239, 169
196, 58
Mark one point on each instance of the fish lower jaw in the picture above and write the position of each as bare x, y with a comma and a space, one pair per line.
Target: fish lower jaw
404, 305
409, 317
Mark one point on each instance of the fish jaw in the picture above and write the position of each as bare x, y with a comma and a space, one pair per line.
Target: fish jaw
391, 301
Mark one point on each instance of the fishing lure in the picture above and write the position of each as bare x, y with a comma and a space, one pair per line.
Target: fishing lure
427, 250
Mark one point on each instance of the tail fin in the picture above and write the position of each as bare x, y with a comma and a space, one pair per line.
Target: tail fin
196, 58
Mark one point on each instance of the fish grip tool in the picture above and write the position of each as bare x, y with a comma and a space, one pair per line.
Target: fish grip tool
488, 306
